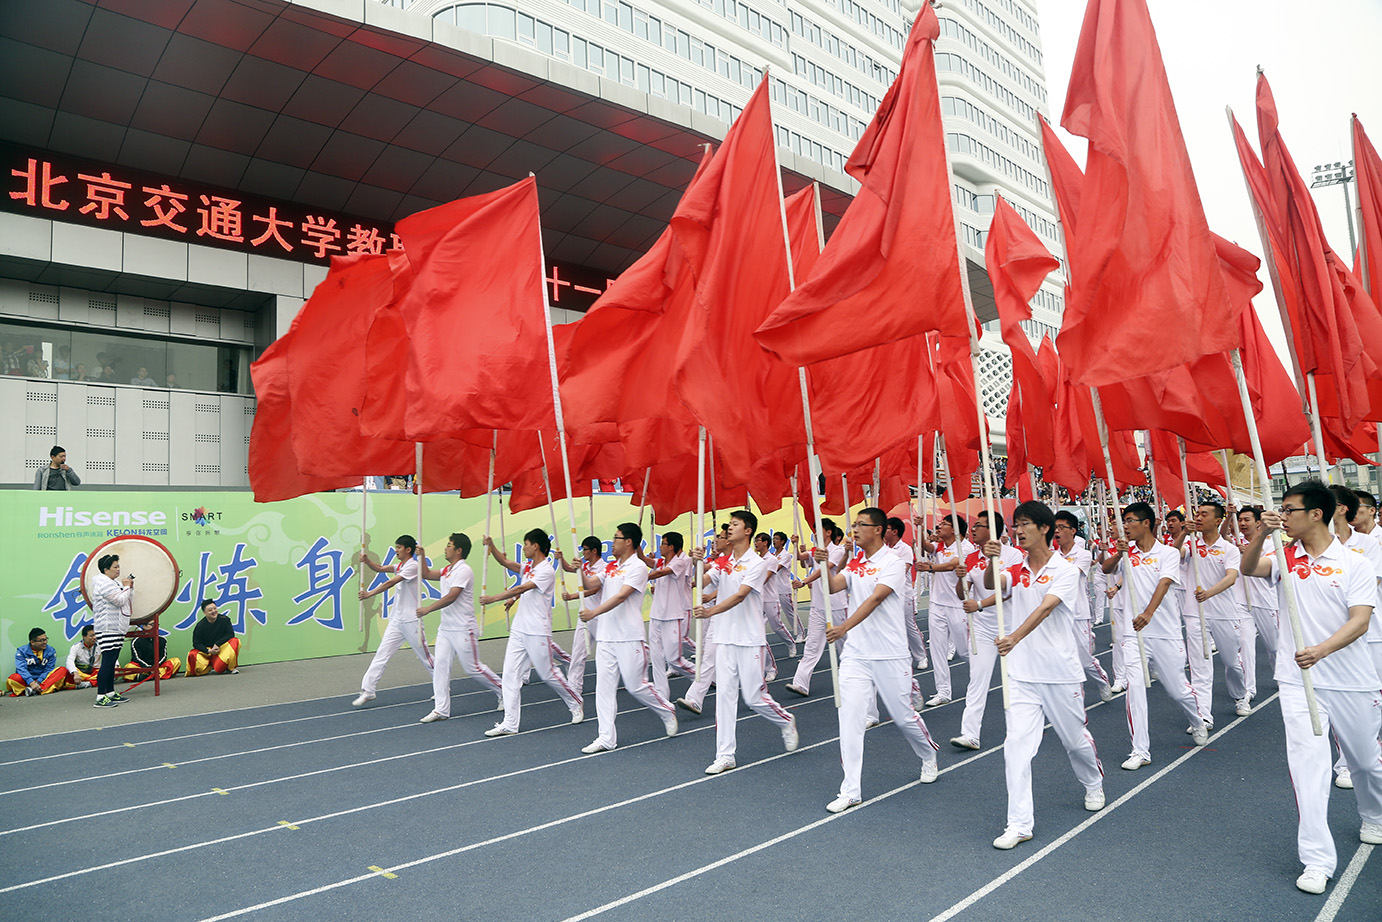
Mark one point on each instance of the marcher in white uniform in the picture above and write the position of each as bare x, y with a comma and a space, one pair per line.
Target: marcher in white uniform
623, 650
892, 537
1045, 679
694, 699
786, 601
1261, 593
1217, 561
1155, 571
530, 634
946, 615
458, 633
980, 603
815, 624
740, 646
1365, 546
583, 638
671, 589
1103, 587
403, 620
772, 599
1335, 595
876, 662
1073, 550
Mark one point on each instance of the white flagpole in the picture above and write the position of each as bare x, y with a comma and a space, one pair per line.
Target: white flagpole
877, 480
1237, 532
710, 472
1292, 611
959, 558
1194, 539
421, 553
700, 537
489, 513
364, 523
503, 540
552, 510
796, 551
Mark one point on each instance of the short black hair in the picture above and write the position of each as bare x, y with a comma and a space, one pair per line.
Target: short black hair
748, 518
782, 535
997, 527
1142, 512
407, 541
763, 536
875, 516
1366, 499
674, 540
36, 633
461, 542
541, 539
1069, 518
107, 561
1254, 511
1173, 514
1313, 495
896, 525
88, 629
1039, 514
201, 606
56, 450
592, 543
1217, 506
1345, 497
633, 531
833, 532
959, 522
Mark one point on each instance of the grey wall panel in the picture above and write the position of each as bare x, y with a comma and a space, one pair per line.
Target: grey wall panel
129, 429
233, 431
26, 237
182, 318
92, 247
155, 438
155, 257
182, 425
72, 422
285, 309
40, 424
13, 462
275, 276
73, 304
129, 312
100, 434
206, 469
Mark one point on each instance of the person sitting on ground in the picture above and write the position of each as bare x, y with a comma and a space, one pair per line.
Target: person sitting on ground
142, 656
83, 660
36, 669
214, 644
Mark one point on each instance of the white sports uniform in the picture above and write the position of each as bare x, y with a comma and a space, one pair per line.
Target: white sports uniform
739, 663
946, 615
772, 598
623, 651
667, 621
916, 645
1346, 689
1079, 558
985, 633
403, 625
815, 622
1162, 637
696, 693
457, 636
1045, 682
1222, 618
876, 664
584, 636
529, 645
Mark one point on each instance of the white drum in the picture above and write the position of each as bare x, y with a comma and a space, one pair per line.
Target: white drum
149, 562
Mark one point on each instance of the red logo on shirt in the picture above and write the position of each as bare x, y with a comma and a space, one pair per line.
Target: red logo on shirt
1043, 578
1298, 565
859, 567
611, 568
721, 564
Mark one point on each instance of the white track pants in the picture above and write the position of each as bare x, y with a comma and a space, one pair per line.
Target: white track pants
739, 670
531, 651
1247, 653
463, 646
1354, 718
866, 680
709, 649
1267, 623
791, 615
813, 650
664, 652
626, 660
1030, 706
772, 611
1119, 673
1167, 658
949, 628
1084, 640
916, 644
398, 631
581, 644
980, 680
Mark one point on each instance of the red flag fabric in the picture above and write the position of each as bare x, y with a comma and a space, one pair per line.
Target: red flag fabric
475, 317
730, 233
895, 246
1075, 458
1281, 426
1142, 263
1202, 466
1368, 171
1017, 264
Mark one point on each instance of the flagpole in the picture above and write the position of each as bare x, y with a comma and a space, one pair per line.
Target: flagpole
710, 470
700, 537
508, 620
1194, 552
796, 553
959, 559
422, 559
877, 480
1237, 532
552, 511
643, 502
1292, 611
922, 514
1122, 535
364, 523
489, 514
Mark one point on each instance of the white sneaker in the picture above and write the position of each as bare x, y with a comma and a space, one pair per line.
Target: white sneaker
1094, 800
689, 705
1106, 693
840, 804
433, 718
950, 658
923, 664
1344, 780
965, 742
1371, 833
1312, 881
1208, 725
1118, 687
792, 652
771, 676
718, 766
500, 705
930, 771
578, 714
1010, 838
871, 723
595, 747
790, 737
499, 730
363, 699
1134, 761
937, 701
1200, 736
1244, 708
796, 689
670, 725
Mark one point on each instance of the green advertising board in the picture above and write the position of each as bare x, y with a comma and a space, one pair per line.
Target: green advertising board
287, 574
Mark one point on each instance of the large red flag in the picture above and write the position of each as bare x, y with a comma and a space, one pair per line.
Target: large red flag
1367, 167
891, 269
1142, 262
1202, 466
475, 318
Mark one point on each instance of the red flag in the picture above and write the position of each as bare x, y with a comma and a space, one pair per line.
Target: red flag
1202, 466
475, 317
1142, 262
1368, 171
895, 247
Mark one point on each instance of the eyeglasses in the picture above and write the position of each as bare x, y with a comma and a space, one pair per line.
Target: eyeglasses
1287, 510
620, 538
866, 525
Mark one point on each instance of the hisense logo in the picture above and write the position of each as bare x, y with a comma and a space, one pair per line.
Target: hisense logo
67, 517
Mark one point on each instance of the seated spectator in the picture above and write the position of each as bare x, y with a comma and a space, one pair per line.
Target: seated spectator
35, 365
62, 365
171, 382
80, 373
83, 660
143, 379
142, 656
36, 669
214, 644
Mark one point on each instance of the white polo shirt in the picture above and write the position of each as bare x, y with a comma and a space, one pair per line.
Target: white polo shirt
672, 600
1048, 655
1149, 568
1369, 548
533, 613
1079, 558
883, 634
459, 615
405, 593
836, 554
908, 555
943, 584
986, 619
742, 625
772, 568
624, 622
1212, 561
1326, 587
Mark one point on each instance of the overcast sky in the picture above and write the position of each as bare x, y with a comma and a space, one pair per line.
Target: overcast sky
1322, 59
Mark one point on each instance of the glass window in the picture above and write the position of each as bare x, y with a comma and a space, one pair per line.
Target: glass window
502, 22
578, 52
597, 58
544, 38
642, 78
654, 30
611, 12
626, 71
447, 16
472, 17
626, 17
658, 84
526, 29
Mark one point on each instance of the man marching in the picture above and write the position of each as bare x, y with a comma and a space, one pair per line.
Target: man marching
946, 617
403, 622
458, 631
1077, 554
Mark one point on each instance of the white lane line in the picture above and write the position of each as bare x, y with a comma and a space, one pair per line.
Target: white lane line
1103, 814
1345, 884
